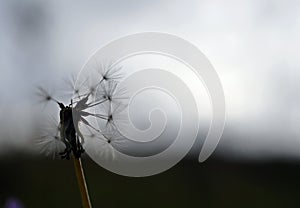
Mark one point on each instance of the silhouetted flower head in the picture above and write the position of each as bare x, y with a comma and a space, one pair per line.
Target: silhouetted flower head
97, 97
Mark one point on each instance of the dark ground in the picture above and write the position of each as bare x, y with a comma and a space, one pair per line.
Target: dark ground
215, 183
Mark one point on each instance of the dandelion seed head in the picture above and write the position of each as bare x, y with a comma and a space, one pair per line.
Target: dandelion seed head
92, 96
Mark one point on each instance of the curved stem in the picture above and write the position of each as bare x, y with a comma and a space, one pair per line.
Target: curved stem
82, 183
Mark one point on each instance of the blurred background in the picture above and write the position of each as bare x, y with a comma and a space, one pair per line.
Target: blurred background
254, 47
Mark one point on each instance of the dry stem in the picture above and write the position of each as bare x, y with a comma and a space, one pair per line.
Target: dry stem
82, 183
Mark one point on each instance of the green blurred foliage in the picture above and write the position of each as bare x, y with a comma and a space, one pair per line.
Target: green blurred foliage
215, 183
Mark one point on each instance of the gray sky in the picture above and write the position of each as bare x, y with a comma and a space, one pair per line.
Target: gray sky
253, 45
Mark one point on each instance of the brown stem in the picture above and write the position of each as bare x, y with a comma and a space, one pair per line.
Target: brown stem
82, 183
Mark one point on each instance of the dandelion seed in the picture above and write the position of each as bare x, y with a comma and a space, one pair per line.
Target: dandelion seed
106, 70
76, 89
115, 139
108, 90
102, 148
45, 96
110, 72
49, 141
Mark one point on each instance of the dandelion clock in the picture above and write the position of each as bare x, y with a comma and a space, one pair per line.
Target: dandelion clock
88, 119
